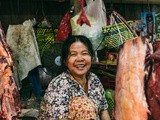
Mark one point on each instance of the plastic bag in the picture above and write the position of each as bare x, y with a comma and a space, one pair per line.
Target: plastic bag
96, 9
96, 13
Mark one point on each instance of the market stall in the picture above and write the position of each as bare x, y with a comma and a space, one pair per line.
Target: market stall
125, 36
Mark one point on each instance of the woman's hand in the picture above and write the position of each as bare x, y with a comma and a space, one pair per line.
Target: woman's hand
105, 115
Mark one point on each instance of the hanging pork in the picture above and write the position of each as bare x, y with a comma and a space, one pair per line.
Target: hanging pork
130, 100
9, 94
153, 85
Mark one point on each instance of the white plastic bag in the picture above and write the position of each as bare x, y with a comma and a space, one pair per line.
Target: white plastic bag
96, 13
96, 9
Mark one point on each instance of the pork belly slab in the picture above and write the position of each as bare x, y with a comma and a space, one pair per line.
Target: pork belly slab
130, 99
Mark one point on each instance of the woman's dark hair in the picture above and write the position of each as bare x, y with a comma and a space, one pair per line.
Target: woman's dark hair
70, 40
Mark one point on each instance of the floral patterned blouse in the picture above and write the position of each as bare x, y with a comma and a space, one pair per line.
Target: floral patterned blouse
82, 108
62, 89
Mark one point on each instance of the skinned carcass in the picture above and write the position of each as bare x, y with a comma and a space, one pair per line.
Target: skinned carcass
10, 104
153, 84
130, 100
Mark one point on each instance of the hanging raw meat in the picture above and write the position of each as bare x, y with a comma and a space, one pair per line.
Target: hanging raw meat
83, 18
130, 100
153, 85
9, 94
65, 27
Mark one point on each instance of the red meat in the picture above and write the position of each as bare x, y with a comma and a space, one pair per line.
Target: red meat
130, 100
65, 27
153, 85
9, 95
83, 18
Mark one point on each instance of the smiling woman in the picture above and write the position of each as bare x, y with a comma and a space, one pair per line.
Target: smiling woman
75, 81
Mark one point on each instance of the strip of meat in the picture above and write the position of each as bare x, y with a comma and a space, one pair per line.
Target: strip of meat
130, 100
153, 85
9, 95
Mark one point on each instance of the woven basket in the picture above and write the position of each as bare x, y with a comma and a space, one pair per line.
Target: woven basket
119, 32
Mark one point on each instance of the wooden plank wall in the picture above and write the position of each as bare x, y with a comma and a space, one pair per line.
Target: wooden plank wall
132, 11
17, 11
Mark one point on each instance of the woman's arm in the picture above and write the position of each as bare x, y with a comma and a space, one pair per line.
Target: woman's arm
105, 115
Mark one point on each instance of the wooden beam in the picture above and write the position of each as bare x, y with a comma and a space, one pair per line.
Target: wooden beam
134, 1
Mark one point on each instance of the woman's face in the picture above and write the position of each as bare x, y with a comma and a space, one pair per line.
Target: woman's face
79, 59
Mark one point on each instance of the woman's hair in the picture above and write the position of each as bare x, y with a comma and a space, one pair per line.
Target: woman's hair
70, 40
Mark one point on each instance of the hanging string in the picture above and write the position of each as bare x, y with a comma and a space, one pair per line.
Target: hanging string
111, 7
12, 12
42, 7
18, 10
148, 6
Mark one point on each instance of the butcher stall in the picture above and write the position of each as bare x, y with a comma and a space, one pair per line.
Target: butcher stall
126, 39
